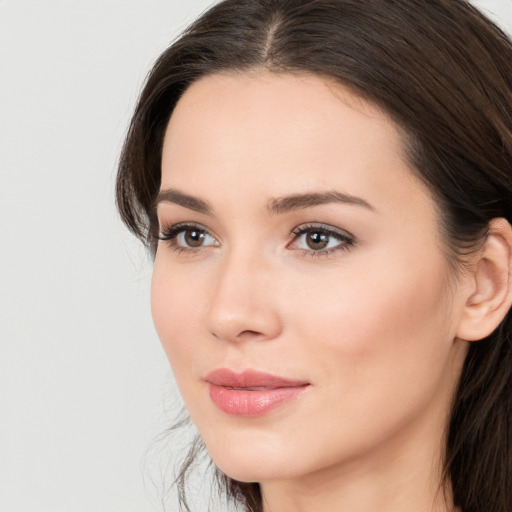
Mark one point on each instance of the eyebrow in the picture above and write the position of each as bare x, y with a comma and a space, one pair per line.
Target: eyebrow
275, 206
303, 201
171, 195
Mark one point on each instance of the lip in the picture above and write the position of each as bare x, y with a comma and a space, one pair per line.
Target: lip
251, 393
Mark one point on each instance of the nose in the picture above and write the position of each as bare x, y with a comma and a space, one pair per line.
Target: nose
243, 303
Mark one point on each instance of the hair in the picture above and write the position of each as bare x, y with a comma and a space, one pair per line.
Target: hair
443, 72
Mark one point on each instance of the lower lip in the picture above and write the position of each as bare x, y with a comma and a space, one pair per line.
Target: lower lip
242, 402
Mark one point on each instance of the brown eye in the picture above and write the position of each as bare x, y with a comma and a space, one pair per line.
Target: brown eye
317, 240
183, 237
194, 237
320, 240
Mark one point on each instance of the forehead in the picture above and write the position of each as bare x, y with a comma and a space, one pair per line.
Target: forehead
263, 102
275, 134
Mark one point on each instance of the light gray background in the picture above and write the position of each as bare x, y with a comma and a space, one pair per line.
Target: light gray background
84, 384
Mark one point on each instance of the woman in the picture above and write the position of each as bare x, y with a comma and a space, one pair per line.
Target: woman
326, 186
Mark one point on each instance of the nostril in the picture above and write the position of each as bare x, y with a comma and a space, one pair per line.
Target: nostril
248, 334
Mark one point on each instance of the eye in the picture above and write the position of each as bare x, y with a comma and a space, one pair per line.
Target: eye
187, 237
318, 239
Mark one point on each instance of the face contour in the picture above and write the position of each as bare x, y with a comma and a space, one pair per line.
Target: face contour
300, 290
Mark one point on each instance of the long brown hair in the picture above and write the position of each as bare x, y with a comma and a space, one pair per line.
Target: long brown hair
443, 72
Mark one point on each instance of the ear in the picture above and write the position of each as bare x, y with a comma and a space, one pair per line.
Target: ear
491, 295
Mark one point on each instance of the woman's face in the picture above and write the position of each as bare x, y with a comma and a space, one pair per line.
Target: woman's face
300, 290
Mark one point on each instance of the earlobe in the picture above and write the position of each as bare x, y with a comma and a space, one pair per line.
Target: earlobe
491, 297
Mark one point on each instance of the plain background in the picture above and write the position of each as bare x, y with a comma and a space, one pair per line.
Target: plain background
84, 384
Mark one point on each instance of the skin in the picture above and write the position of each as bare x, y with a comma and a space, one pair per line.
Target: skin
371, 326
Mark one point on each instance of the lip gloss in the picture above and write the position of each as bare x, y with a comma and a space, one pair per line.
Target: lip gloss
251, 393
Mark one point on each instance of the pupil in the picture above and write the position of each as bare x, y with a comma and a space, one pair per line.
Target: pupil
317, 240
194, 238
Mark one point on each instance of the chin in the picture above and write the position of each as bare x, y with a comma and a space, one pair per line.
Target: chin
251, 465
245, 471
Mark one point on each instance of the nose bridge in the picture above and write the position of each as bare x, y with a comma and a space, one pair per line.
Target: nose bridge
241, 305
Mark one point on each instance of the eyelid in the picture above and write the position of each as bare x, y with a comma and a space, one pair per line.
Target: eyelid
346, 239
180, 226
170, 233
308, 226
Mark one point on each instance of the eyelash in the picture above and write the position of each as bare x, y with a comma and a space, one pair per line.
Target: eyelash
346, 239
170, 234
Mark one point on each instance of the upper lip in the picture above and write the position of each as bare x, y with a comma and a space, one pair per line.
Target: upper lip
250, 379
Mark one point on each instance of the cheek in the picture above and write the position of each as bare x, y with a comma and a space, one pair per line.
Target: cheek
377, 350
175, 309
375, 324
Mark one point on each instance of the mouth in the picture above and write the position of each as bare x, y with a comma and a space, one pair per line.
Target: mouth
251, 393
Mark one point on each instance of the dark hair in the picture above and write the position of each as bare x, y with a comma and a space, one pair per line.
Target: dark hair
443, 73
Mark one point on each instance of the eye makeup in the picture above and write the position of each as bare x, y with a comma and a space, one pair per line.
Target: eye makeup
313, 239
317, 239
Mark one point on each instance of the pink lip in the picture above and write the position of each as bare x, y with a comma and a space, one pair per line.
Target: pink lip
251, 393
